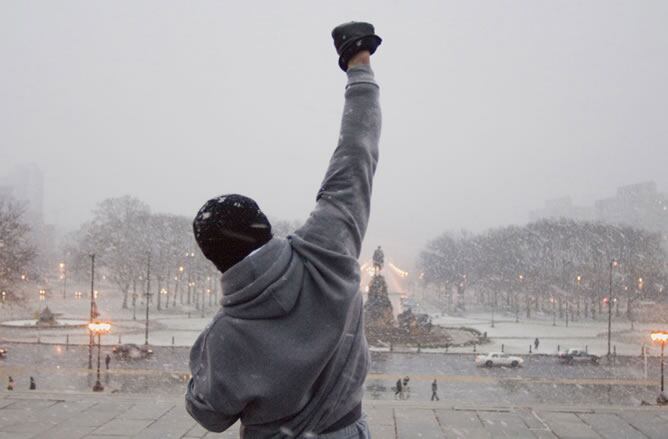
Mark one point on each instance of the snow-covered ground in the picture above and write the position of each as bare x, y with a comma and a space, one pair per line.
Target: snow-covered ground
182, 325
582, 333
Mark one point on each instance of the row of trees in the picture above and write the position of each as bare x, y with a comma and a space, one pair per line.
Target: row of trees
124, 234
549, 263
135, 248
17, 250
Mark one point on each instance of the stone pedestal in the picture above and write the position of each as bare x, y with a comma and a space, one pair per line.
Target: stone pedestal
378, 308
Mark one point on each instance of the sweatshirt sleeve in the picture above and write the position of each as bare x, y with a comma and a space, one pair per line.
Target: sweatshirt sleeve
339, 220
204, 413
208, 401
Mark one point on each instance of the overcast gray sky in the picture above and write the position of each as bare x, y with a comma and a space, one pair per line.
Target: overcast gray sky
490, 107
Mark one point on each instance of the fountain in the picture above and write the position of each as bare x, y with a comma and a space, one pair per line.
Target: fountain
409, 328
45, 319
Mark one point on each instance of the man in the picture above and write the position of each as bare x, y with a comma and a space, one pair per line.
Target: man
434, 391
399, 390
286, 354
107, 360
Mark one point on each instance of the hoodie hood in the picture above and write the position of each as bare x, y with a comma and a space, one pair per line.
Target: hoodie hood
265, 284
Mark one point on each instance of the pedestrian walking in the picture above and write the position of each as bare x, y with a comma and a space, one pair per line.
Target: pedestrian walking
299, 295
399, 390
107, 360
33, 386
434, 391
536, 342
405, 389
10, 383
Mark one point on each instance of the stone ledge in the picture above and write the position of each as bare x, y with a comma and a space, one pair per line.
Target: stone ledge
72, 415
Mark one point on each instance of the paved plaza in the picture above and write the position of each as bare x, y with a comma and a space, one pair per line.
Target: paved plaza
38, 415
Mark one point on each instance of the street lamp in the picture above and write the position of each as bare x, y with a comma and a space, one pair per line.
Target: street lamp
64, 278
93, 313
613, 264
98, 328
661, 337
493, 308
578, 279
148, 295
517, 300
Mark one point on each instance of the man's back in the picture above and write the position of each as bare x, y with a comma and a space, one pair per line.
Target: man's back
287, 353
288, 347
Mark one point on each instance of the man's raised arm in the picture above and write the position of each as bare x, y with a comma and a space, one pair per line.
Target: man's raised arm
341, 215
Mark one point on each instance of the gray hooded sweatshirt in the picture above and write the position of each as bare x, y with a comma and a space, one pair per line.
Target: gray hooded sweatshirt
286, 353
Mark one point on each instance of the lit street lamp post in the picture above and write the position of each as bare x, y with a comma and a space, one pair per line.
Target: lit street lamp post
148, 294
613, 264
62, 275
629, 306
517, 300
189, 257
661, 337
134, 299
493, 308
98, 328
92, 310
578, 278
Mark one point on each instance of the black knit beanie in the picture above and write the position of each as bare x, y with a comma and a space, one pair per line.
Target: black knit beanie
228, 228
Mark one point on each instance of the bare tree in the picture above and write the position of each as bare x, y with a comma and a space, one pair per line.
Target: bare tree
118, 235
17, 253
565, 261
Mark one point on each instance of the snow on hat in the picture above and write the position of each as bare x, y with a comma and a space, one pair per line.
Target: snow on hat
228, 228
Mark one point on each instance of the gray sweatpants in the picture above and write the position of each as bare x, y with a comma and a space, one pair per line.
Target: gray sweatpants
358, 430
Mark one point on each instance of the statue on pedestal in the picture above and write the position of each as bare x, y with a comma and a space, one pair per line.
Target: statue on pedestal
378, 260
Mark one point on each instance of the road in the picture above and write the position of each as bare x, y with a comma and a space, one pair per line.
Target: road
542, 379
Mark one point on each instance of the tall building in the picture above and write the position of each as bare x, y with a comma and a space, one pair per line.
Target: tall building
639, 205
5, 190
25, 183
562, 208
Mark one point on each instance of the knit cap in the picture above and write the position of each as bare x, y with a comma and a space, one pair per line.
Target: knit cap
228, 228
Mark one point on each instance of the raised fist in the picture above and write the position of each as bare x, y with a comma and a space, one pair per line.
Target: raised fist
352, 38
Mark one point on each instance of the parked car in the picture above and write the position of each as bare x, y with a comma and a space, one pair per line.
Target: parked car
498, 359
3, 352
577, 356
131, 351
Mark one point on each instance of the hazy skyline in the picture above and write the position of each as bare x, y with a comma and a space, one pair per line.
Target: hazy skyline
490, 108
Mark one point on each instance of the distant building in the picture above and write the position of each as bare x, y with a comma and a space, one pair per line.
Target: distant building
562, 208
25, 184
5, 190
639, 205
